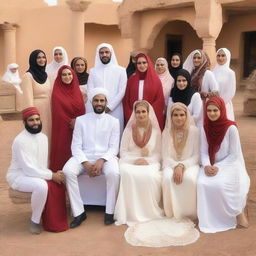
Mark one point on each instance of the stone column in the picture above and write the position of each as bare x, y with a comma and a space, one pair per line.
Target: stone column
209, 44
9, 43
77, 26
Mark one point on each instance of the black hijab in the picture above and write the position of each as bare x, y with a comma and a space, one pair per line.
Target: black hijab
38, 72
82, 77
183, 96
173, 71
131, 68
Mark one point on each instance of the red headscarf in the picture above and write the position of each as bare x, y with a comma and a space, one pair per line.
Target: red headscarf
216, 130
27, 112
67, 104
152, 91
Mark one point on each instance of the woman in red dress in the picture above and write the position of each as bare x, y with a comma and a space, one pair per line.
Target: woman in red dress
144, 85
67, 104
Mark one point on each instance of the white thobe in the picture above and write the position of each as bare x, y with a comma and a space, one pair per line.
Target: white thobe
28, 170
113, 78
226, 79
95, 136
222, 197
195, 108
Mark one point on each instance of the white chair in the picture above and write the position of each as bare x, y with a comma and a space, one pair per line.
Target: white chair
92, 190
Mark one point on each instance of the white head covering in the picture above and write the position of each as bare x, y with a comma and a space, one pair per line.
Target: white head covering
166, 79
98, 90
113, 60
53, 67
12, 78
228, 55
188, 64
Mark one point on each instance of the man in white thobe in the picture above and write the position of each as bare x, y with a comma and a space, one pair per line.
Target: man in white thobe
95, 146
107, 74
28, 171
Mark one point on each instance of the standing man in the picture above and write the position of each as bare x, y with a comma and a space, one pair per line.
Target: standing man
108, 74
28, 171
94, 148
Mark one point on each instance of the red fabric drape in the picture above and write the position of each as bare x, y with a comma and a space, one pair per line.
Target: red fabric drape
67, 104
152, 92
216, 130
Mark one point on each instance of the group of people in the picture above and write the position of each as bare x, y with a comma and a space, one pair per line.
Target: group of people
180, 154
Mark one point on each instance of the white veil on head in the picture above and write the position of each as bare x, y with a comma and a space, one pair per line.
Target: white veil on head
53, 67
113, 60
188, 64
151, 112
228, 55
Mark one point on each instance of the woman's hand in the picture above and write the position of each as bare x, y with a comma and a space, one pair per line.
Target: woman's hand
141, 161
210, 170
178, 174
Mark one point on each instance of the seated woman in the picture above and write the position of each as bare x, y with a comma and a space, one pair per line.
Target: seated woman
180, 152
140, 185
202, 79
67, 104
144, 85
184, 93
223, 182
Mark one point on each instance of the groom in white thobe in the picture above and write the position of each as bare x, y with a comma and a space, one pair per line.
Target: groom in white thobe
94, 148
107, 74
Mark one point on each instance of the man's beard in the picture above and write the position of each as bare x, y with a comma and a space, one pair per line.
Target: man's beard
105, 60
99, 111
33, 130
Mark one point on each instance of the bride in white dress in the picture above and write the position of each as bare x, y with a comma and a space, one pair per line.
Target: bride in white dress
140, 185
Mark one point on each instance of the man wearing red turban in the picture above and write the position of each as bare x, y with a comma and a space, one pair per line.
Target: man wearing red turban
28, 171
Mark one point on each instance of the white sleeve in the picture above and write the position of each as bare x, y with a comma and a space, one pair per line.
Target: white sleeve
113, 146
231, 90
211, 85
196, 108
28, 166
121, 91
77, 142
205, 159
170, 101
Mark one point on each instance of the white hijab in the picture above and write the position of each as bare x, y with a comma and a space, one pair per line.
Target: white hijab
113, 60
53, 67
13, 78
227, 64
188, 64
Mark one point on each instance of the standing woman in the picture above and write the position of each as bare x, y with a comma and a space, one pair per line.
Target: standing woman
144, 85
167, 81
79, 65
184, 93
60, 58
223, 181
175, 64
67, 104
36, 89
180, 153
202, 79
226, 79
140, 153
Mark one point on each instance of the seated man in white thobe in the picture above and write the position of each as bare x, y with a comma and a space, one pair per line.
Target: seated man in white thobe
94, 148
28, 171
107, 74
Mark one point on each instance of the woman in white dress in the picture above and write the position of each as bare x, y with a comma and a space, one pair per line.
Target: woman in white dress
60, 58
11, 76
180, 153
202, 79
226, 79
184, 93
140, 185
161, 67
223, 182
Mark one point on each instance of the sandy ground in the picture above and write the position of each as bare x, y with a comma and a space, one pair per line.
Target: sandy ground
92, 238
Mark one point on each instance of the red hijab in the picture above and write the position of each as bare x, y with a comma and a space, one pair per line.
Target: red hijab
216, 130
152, 91
67, 104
